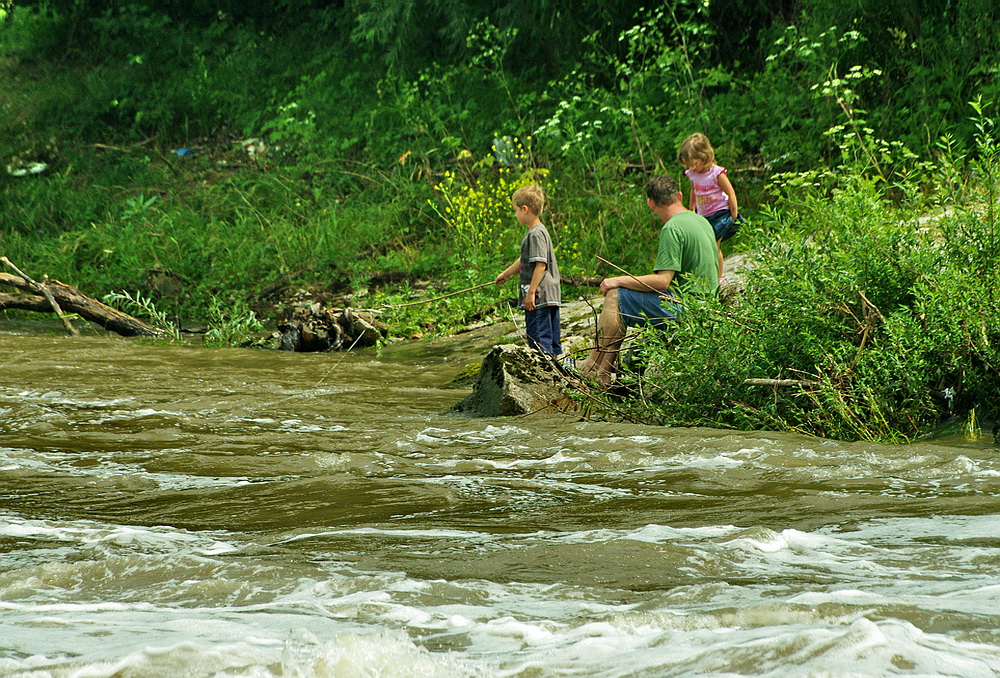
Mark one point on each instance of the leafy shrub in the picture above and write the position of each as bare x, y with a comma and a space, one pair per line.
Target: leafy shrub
476, 207
231, 323
880, 325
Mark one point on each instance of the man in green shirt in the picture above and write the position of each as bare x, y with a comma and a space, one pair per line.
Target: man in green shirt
686, 263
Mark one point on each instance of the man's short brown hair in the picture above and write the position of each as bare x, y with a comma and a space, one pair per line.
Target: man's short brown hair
662, 190
532, 196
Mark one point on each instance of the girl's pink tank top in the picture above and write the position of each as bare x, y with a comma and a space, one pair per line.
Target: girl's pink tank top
708, 196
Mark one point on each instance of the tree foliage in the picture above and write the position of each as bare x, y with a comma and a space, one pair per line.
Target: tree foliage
733, 59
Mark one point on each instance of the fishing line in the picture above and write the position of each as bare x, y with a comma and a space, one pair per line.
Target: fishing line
307, 392
524, 332
443, 296
328, 372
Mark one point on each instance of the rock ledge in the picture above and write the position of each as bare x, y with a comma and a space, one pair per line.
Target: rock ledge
516, 380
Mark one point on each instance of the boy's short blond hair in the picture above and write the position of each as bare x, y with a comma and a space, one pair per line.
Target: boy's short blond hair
531, 196
696, 147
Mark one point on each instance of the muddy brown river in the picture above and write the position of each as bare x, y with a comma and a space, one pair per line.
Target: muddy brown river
183, 511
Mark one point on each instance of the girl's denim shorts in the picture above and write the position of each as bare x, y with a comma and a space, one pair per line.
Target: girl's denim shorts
723, 224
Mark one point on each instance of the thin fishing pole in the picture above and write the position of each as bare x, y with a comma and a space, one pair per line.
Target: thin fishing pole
653, 289
443, 296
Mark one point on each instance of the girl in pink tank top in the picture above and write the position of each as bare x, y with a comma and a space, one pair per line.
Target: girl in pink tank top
712, 194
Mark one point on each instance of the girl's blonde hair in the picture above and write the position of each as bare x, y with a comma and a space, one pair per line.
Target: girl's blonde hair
696, 147
531, 196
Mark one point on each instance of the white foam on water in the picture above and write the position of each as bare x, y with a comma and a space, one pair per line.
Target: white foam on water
716, 461
87, 533
488, 434
944, 528
663, 533
631, 641
298, 426
465, 536
382, 624
609, 441
147, 412
244, 651
59, 398
68, 464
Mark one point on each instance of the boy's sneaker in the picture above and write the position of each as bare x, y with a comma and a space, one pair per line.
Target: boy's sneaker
722, 280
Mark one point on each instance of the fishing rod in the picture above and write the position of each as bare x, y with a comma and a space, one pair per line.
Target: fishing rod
443, 296
652, 289
487, 284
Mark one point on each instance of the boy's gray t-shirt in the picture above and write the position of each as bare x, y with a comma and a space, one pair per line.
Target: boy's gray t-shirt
537, 246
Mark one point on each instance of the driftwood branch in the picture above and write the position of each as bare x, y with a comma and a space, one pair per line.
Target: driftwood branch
780, 382
40, 288
581, 280
68, 298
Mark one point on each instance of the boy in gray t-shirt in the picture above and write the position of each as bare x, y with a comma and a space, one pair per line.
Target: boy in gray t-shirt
539, 291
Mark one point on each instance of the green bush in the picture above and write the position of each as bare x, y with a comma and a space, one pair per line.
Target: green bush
880, 325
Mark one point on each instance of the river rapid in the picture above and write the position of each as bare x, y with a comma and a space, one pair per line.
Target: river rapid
181, 511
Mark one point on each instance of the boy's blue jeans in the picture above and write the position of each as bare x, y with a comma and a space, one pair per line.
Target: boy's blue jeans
542, 328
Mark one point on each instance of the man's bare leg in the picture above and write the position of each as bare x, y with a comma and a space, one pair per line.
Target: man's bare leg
610, 334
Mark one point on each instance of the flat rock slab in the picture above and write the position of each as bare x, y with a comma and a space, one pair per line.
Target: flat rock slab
516, 380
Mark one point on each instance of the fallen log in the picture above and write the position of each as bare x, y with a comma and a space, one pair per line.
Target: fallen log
40, 288
22, 303
71, 300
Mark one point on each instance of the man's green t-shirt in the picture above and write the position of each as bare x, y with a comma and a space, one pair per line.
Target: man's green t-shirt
687, 246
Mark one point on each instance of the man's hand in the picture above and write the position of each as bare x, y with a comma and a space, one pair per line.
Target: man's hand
609, 284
